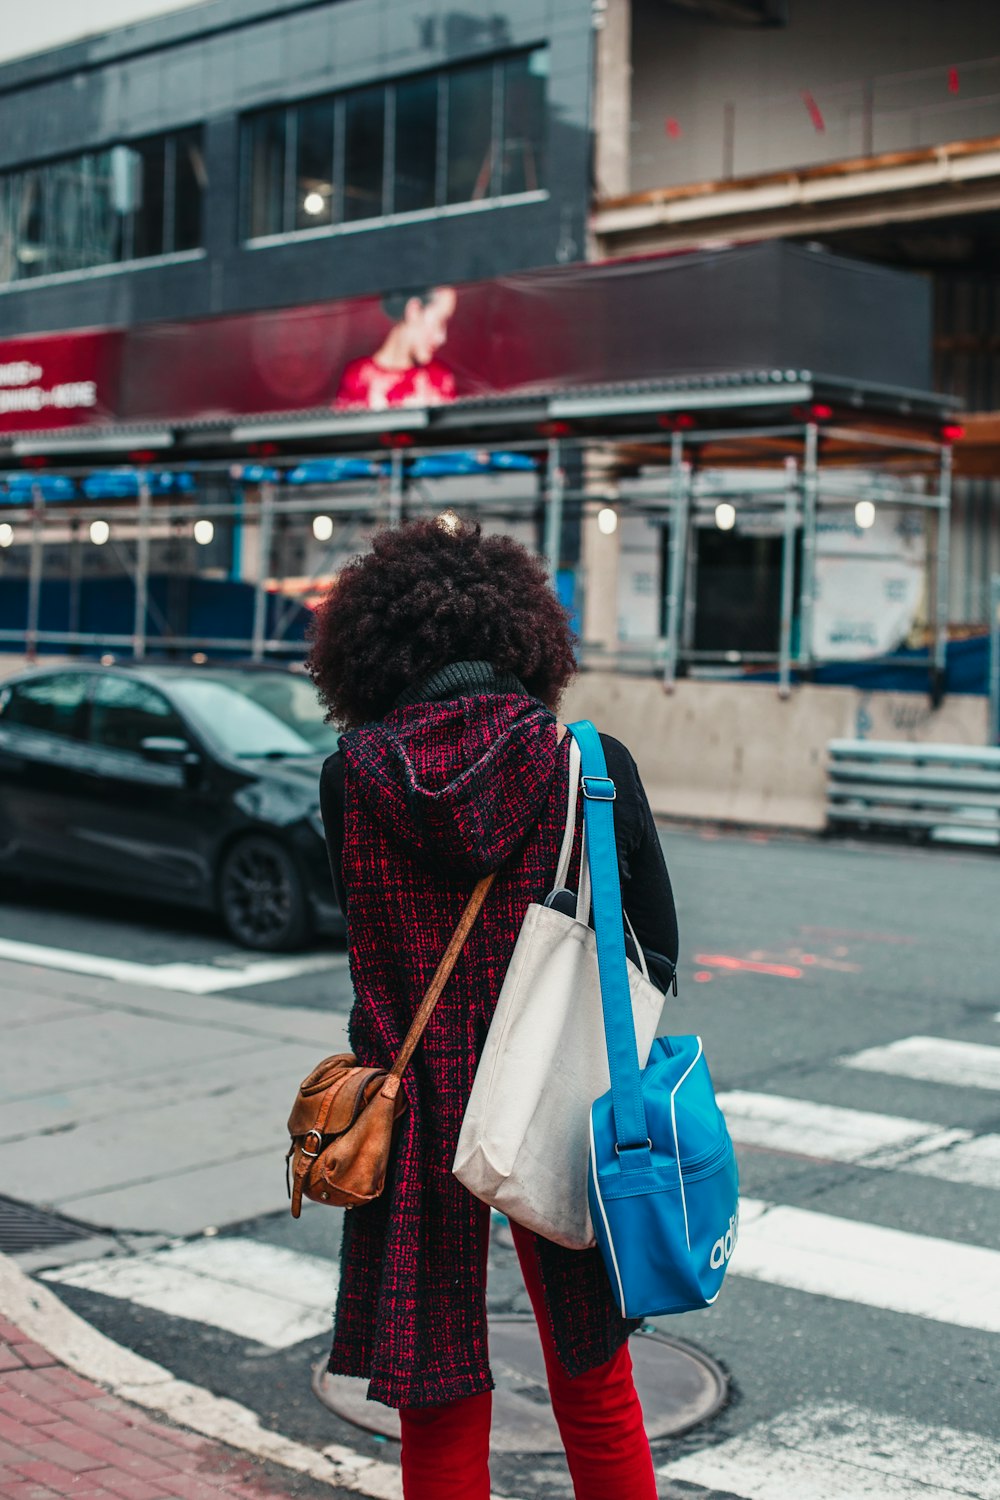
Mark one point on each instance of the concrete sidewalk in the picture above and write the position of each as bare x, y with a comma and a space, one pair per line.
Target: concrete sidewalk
146, 1109
64, 1438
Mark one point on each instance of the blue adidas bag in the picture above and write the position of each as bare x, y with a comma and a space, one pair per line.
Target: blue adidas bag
663, 1182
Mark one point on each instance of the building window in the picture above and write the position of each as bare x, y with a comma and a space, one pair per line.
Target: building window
461, 135
266, 166
364, 154
471, 144
416, 139
523, 152
314, 164
190, 183
102, 207
149, 220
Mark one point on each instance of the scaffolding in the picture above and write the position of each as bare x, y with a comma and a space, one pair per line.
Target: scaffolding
809, 458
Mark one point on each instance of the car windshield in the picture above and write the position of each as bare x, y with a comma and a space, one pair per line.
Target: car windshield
253, 714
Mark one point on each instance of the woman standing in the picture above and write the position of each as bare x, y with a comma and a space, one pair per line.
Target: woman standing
444, 655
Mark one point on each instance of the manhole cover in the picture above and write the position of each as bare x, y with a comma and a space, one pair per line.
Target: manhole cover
25, 1228
677, 1384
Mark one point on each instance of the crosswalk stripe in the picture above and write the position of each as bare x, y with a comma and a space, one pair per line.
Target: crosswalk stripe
798, 1127
933, 1059
192, 979
261, 1292
840, 1452
805, 1251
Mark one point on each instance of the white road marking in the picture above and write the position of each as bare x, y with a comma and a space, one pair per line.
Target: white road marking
839, 1452
933, 1059
40, 1314
193, 979
258, 1291
852, 1261
797, 1127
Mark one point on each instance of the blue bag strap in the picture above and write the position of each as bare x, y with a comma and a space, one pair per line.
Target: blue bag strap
631, 1132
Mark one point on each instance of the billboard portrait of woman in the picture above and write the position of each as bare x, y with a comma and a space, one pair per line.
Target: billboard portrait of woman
405, 369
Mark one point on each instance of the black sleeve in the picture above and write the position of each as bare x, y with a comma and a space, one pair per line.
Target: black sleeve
331, 804
646, 891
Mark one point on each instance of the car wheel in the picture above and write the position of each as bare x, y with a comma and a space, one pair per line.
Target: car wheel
261, 895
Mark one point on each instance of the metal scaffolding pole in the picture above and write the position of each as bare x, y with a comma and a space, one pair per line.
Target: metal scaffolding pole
141, 572
265, 524
554, 508
810, 493
787, 577
35, 573
679, 523
75, 577
396, 487
993, 732
942, 572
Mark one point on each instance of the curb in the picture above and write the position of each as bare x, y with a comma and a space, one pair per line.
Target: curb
47, 1321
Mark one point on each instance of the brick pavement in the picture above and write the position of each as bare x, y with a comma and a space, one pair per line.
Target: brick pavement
61, 1436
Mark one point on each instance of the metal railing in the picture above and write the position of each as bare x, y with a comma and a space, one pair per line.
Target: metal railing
946, 791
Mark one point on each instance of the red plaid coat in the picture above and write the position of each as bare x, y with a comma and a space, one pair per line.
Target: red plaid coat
436, 795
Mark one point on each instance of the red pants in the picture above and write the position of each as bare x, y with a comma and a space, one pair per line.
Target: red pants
445, 1449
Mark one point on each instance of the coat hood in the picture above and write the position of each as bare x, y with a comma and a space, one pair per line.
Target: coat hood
458, 784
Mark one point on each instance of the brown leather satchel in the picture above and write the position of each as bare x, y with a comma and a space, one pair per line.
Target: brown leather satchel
342, 1121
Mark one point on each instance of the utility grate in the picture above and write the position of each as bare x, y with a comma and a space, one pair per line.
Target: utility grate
23, 1227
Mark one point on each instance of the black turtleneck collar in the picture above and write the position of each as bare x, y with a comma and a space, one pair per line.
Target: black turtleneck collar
461, 679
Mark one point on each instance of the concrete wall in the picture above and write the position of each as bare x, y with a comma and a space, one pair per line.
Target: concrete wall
687, 67
736, 752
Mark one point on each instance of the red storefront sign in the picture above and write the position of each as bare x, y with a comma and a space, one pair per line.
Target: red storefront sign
59, 380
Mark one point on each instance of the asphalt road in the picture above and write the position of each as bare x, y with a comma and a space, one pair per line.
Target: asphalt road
860, 1329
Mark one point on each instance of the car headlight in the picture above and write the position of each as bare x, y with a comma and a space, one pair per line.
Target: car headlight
316, 822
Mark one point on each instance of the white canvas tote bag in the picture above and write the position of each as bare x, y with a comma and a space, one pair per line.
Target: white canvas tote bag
524, 1143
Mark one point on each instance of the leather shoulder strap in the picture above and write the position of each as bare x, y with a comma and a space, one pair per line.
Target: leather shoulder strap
443, 973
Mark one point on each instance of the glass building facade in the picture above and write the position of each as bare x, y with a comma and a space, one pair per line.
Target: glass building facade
218, 159
456, 136
102, 208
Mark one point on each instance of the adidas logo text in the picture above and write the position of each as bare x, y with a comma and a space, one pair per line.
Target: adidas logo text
725, 1244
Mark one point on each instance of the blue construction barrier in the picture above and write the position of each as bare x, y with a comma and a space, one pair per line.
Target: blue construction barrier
192, 607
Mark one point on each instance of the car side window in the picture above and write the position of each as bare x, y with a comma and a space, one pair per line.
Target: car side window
124, 713
53, 704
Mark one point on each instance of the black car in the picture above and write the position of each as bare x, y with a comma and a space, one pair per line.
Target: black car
192, 785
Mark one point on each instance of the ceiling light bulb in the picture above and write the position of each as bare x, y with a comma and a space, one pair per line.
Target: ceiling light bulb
725, 516
6, 534
314, 203
322, 528
99, 532
607, 521
864, 515
204, 531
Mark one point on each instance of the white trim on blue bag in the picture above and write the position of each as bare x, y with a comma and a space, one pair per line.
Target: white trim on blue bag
607, 1226
677, 1144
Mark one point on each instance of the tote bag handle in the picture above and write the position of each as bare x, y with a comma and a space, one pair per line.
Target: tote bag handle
583, 897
